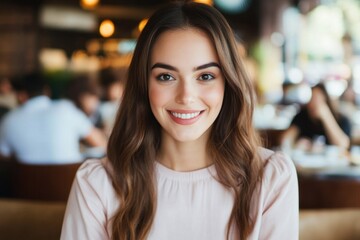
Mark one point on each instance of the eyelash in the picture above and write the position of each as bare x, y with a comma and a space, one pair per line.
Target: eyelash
206, 74
160, 77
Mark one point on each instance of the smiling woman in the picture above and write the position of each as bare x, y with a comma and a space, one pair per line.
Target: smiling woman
184, 160
185, 94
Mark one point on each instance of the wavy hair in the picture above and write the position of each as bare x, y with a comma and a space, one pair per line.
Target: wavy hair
136, 136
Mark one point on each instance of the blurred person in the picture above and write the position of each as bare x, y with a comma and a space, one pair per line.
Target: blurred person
113, 83
7, 94
84, 92
42, 131
184, 160
318, 122
348, 101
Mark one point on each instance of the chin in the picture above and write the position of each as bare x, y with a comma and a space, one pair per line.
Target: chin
192, 137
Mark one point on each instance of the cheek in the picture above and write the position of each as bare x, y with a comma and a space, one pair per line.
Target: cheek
214, 97
157, 97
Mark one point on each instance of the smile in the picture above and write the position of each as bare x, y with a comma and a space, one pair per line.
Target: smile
185, 115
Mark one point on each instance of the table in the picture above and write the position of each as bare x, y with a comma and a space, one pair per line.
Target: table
335, 184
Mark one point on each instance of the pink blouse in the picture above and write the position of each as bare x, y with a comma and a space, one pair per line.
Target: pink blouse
191, 205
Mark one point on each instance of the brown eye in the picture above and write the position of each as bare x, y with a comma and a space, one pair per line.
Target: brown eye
165, 77
206, 77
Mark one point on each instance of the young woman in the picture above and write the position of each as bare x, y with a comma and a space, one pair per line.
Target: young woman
183, 159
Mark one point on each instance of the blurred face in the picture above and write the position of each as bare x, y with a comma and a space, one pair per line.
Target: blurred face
89, 103
186, 85
115, 91
5, 86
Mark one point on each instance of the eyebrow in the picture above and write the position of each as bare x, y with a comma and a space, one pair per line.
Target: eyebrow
207, 65
169, 67
163, 65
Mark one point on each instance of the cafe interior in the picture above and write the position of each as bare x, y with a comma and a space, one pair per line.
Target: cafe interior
288, 47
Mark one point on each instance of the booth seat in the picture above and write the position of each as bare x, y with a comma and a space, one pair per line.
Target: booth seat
26, 219
36, 220
41, 182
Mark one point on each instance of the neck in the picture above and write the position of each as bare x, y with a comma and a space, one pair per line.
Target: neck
184, 156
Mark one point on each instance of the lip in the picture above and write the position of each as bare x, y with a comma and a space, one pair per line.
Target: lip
185, 121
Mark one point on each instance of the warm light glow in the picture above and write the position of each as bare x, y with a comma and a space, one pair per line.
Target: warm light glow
142, 24
208, 2
53, 59
89, 3
107, 28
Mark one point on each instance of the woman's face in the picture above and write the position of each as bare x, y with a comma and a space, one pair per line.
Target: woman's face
186, 85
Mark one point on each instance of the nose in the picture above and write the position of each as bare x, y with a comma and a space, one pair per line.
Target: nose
185, 92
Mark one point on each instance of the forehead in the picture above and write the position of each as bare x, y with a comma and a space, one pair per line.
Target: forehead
190, 44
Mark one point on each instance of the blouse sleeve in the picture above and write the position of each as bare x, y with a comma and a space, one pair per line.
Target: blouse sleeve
280, 213
85, 215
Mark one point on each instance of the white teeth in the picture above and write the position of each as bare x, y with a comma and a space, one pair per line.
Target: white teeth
185, 115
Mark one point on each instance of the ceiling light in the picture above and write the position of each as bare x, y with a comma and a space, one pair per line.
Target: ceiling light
89, 3
106, 28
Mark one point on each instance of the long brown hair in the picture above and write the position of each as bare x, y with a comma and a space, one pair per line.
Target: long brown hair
135, 139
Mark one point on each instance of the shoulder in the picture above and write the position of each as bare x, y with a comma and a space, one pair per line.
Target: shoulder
93, 171
278, 166
92, 203
70, 111
64, 104
276, 199
93, 177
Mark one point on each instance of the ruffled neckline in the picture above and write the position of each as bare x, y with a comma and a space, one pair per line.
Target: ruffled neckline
200, 174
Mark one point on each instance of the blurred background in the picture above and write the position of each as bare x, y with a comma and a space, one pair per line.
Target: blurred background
288, 46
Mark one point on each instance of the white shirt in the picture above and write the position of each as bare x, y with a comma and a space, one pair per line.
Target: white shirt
42, 131
190, 205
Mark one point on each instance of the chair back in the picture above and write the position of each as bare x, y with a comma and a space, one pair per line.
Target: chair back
6, 170
43, 182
